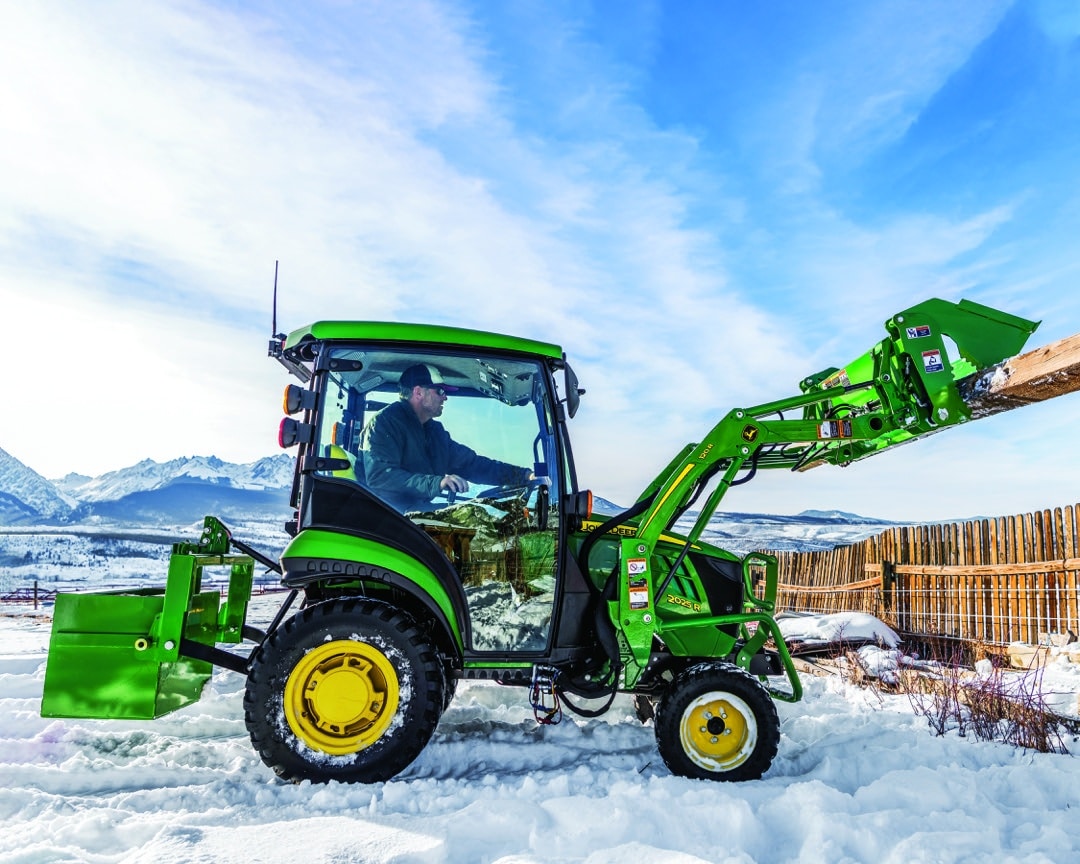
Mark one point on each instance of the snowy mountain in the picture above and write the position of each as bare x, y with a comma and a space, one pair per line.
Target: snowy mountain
807, 531
838, 516
604, 507
183, 490
272, 472
174, 492
27, 497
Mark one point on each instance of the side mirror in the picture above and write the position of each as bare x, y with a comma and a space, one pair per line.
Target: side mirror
573, 392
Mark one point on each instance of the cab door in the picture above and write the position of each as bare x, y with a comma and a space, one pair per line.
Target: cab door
494, 425
503, 539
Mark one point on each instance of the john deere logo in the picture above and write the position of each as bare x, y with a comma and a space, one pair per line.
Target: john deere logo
749, 433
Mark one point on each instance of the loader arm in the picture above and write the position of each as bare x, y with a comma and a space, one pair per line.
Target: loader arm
902, 389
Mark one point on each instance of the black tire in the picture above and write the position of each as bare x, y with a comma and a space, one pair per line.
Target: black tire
717, 722
347, 690
450, 683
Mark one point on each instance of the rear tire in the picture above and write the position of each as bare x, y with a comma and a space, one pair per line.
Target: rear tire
347, 690
717, 722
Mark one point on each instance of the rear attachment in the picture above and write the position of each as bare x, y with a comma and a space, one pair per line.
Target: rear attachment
143, 653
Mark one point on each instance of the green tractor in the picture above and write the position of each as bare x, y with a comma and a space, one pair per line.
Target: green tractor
413, 572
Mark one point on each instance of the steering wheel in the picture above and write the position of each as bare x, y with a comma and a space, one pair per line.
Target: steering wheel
492, 493
501, 493
510, 490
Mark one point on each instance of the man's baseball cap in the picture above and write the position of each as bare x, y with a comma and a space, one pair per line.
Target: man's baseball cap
425, 375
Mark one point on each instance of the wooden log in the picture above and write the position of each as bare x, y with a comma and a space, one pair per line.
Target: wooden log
1057, 565
1036, 376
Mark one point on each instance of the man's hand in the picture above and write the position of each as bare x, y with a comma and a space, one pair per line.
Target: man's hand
454, 483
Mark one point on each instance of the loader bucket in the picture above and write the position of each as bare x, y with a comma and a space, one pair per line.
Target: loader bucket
119, 654
915, 379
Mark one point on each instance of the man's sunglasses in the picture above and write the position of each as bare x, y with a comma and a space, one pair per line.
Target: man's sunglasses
440, 390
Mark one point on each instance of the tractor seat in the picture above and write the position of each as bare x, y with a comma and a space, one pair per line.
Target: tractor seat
355, 471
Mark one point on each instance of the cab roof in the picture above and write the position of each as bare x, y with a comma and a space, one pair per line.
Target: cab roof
427, 334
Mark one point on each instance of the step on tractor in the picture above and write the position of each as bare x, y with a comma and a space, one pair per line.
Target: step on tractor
416, 559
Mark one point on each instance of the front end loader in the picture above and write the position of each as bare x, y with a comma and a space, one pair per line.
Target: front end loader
398, 586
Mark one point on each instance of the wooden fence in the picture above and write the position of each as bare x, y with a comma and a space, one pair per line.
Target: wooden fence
1009, 579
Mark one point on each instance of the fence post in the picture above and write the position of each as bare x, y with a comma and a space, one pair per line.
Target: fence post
888, 579
35, 595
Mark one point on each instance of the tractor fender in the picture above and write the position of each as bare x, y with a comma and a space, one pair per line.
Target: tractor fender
318, 556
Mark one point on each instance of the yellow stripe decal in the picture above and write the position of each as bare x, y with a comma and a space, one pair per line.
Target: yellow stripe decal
656, 509
590, 525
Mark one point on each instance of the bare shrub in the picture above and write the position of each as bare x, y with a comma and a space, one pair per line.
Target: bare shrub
934, 693
854, 671
997, 706
1013, 709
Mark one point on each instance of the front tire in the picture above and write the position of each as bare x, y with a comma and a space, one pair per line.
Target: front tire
717, 722
347, 690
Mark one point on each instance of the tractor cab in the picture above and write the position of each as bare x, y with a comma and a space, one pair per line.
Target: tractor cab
479, 555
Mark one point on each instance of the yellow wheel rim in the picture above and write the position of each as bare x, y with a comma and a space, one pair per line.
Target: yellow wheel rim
718, 731
341, 696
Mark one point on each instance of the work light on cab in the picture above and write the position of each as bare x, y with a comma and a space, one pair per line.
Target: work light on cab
292, 432
296, 399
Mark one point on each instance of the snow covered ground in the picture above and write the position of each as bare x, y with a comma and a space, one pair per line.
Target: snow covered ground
858, 778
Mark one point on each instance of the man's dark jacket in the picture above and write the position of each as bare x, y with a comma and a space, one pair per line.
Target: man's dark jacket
405, 460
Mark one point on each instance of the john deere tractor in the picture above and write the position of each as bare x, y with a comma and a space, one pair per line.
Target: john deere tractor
514, 580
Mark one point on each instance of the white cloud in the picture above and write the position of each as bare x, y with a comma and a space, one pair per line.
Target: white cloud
158, 158
195, 146
859, 85
882, 69
106, 385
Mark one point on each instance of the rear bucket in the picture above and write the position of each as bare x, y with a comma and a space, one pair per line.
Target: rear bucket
116, 654
101, 664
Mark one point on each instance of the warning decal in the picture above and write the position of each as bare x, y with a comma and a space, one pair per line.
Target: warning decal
637, 583
920, 332
837, 379
835, 429
932, 361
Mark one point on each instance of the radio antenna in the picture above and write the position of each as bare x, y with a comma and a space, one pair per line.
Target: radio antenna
273, 324
276, 339
277, 343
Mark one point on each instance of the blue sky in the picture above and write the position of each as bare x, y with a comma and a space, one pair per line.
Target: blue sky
703, 202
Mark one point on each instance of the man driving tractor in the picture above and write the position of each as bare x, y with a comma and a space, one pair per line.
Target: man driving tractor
410, 458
